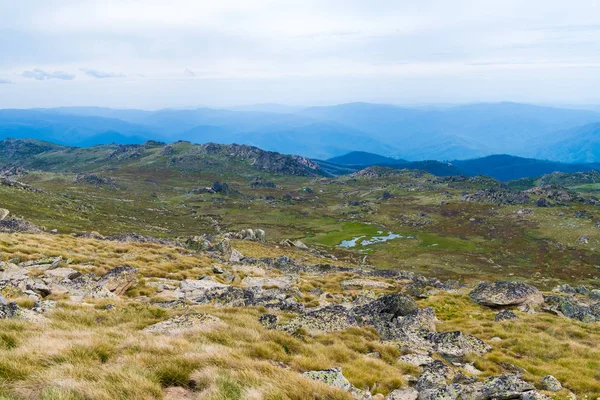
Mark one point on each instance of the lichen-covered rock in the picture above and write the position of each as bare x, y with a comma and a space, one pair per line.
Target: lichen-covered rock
192, 289
505, 315
62, 273
456, 345
505, 387
551, 383
448, 392
364, 284
571, 308
383, 314
434, 375
417, 360
326, 319
403, 394
118, 280
183, 323
281, 282
534, 395
8, 310
331, 377
507, 293
83, 286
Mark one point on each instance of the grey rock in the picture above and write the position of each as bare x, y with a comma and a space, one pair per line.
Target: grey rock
456, 345
505, 315
550, 383
507, 293
118, 280
403, 394
332, 377
571, 308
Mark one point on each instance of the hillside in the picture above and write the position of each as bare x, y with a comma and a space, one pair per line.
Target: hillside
181, 156
364, 158
228, 272
505, 167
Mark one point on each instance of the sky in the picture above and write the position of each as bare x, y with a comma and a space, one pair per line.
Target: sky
184, 53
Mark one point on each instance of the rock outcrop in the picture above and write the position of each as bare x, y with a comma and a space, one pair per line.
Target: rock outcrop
507, 294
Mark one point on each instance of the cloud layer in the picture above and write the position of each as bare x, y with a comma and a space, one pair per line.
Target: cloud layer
100, 74
41, 75
302, 51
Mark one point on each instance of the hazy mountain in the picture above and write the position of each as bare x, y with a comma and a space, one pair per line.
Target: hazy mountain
505, 167
67, 129
439, 133
456, 132
364, 158
577, 145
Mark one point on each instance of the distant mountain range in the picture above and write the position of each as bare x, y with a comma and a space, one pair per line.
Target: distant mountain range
448, 133
501, 167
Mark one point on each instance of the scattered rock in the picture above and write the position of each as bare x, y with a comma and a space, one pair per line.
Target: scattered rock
551, 384
281, 282
220, 187
300, 245
119, 279
403, 394
183, 323
583, 239
418, 360
364, 284
455, 345
571, 308
62, 273
505, 315
507, 293
3, 214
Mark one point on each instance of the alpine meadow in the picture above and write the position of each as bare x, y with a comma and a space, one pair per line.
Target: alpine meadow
299, 199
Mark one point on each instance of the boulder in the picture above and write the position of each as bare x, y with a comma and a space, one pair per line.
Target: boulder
326, 319
507, 293
571, 308
403, 394
435, 375
455, 345
505, 315
551, 384
334, 378
193, 288
260, 235
418, 360
8, 310
4, 213
62, 273
361, 283
506, 387
331, 377
183, 323
281, 282
448, 392
119, 279
300, 245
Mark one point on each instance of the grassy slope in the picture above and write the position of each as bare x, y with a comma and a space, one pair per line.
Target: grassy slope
84, 351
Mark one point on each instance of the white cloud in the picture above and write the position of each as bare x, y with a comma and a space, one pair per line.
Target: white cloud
100, 74
41, 75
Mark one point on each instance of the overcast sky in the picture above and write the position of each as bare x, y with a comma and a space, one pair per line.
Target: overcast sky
182, 53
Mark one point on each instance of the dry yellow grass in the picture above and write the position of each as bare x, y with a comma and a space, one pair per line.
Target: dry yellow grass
86, 352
